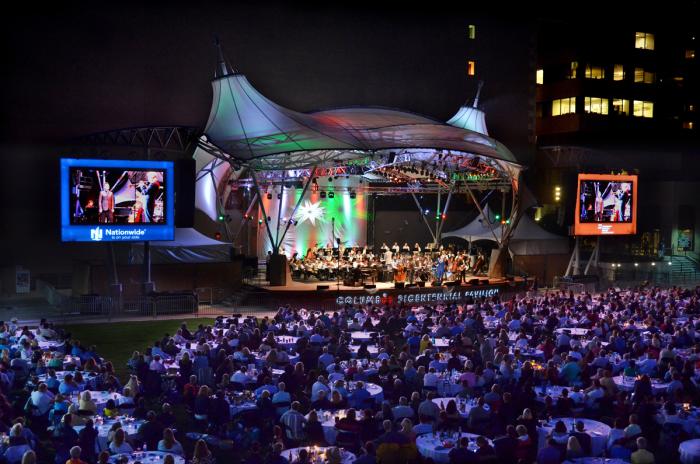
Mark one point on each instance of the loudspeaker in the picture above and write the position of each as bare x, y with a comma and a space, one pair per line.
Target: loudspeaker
473, 282
398, 285
409, 285
370, 286
436, 283
184, 192
420, 284
484, 281
322, 287
510, 279
452, 283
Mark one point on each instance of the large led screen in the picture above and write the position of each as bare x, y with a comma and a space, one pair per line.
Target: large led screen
116, 200
606, 205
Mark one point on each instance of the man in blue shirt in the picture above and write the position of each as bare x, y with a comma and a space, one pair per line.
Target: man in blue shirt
358, 398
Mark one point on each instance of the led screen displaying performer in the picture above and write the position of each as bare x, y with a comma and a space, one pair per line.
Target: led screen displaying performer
117, 196
606, 205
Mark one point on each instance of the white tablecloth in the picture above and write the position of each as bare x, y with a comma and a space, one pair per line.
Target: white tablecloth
596, 461
463, 406
147, 457
362, 336
372, 349
101, 397
431, 446
130, 427
690, 451
292, 453
286, 341
598, 431
573, 330
327, 419
627, 384
374, 390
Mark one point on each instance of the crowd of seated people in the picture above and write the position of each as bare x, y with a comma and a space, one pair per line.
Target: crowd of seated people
536, 377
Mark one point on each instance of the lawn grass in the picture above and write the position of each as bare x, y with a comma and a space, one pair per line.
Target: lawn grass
116, 341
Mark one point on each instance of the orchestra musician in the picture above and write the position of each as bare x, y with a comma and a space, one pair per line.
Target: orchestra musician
358, 264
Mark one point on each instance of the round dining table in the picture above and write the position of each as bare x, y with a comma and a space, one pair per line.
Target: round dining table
145, 457
598, 431
291, 454
128, 424
437, 448
690, 451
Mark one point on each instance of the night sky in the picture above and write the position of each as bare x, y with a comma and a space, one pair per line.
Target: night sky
74, 68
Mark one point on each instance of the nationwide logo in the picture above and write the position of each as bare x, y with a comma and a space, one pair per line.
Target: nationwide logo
125, 232
96, 234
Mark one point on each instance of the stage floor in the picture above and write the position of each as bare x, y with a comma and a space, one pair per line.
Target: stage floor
296, 286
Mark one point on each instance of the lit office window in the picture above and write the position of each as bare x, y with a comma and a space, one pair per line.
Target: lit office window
619, 73
689, 54
643, 109
572, 71
471, 68
471, 31
688, 125
644, 40
641, 75
621, 107
595, 105
563, 106
539, 78
595, 72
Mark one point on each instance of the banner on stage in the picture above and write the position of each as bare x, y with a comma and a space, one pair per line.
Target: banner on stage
432, 297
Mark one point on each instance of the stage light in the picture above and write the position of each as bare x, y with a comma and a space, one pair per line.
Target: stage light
507, 221
221, 218
653, 263
330, 179
269, 196
279, 196
323, 194
217, 235
352, 195
331, 195
670, 263
427, 211
260, 221
636, 264
498, 217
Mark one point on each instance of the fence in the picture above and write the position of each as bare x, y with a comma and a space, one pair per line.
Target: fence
108, 307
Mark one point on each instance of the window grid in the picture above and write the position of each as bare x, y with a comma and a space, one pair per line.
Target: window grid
644, 40
563, 106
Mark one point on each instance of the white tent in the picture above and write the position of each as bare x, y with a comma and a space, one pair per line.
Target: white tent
189, 246
528, 237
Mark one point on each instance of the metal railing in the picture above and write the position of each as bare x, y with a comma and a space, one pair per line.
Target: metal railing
149, 305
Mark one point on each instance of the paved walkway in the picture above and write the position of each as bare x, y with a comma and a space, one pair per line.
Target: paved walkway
29, 311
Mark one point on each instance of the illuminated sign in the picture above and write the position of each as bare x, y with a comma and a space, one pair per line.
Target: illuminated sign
411, 298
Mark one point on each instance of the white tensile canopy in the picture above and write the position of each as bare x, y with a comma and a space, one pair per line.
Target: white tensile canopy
528, 237
189, 246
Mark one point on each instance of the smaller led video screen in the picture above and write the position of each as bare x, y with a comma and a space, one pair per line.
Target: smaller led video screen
606, 205
116, 200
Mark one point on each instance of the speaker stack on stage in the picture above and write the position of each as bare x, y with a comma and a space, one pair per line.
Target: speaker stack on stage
398, 285
322, 287
369, 286
420, 284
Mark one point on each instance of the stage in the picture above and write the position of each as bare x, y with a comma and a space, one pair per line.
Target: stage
328, 295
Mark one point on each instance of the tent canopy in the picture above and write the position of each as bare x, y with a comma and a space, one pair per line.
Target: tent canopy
189, 246
528, 237
250, 128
